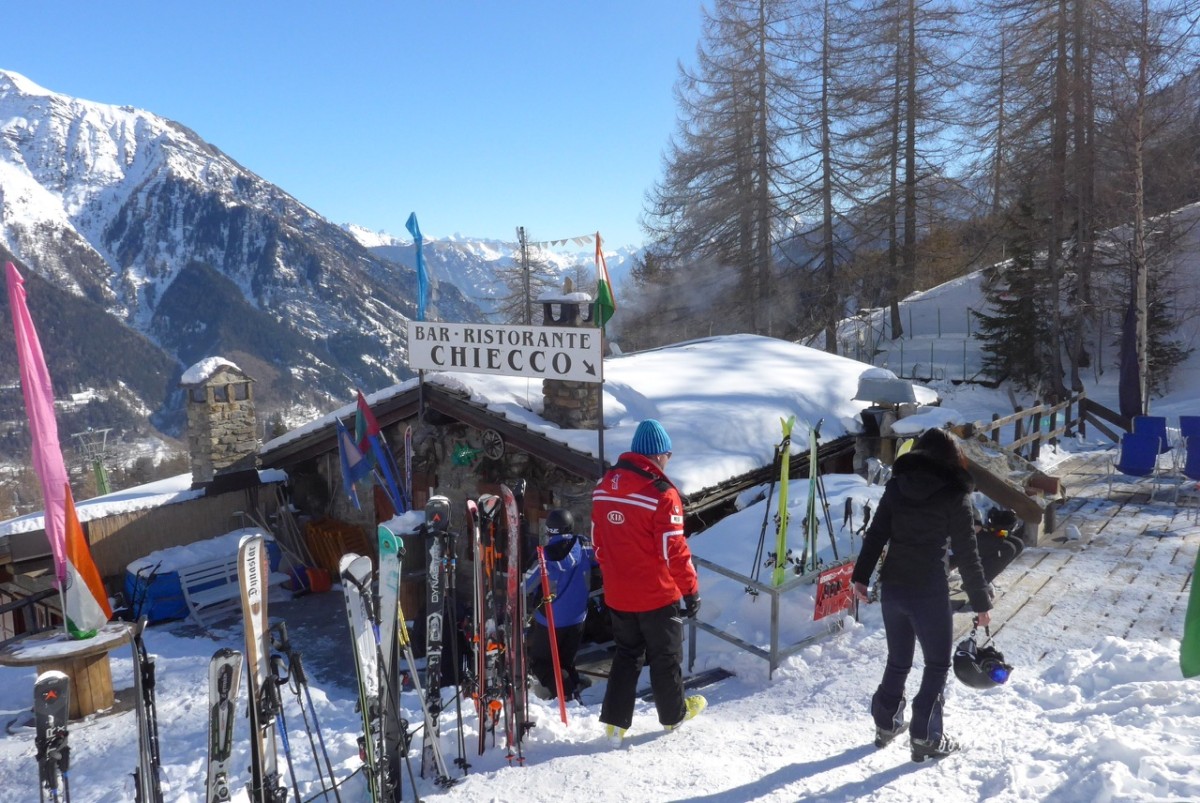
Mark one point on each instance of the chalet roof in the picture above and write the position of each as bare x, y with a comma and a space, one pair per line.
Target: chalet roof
321, 437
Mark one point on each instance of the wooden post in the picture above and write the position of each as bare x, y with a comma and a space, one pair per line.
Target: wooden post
1035, 448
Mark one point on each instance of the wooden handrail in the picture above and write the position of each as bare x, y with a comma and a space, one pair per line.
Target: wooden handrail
1027, 424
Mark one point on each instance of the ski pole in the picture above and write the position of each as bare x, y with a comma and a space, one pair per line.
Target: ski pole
297, 680
275, 701
548, 607
756, 567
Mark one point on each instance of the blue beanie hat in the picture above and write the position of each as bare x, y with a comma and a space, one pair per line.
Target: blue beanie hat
650, 439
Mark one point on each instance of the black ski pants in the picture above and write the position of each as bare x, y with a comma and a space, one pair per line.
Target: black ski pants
541, 660
914, 615
654, 638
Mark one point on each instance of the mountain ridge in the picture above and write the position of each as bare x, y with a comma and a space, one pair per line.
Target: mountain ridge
142, 220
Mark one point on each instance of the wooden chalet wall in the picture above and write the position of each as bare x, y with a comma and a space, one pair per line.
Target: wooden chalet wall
120, 539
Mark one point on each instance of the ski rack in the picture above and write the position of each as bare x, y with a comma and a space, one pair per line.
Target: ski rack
776, 653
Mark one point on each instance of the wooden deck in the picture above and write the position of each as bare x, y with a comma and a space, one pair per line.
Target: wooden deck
1118, 566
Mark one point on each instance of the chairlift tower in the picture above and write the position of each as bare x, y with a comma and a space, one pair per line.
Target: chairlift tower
93, 446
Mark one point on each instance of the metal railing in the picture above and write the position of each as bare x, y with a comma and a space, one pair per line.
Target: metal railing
775, 654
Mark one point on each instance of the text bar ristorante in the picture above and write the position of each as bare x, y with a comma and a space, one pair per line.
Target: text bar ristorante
535, 351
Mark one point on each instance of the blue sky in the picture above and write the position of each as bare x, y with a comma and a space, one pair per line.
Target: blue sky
479, 116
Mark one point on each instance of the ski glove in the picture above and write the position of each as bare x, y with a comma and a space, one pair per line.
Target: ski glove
691, 605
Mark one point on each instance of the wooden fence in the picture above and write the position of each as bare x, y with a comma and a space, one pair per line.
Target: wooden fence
1046, 423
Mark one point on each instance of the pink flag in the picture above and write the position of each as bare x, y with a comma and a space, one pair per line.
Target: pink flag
39, 406
85, 606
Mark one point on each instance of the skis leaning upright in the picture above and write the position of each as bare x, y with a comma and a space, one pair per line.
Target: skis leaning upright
51, 703
147, 778
265, 781
224, 676
400, 646
355, 573
513, 633
437, 523
781, 547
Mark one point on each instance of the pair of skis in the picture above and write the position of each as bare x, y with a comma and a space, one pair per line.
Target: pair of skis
516, 686
397, 646
816, 499
266, 785
379, 636
500, 687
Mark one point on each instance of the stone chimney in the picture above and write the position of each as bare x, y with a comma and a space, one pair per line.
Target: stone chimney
570, 404
221, 423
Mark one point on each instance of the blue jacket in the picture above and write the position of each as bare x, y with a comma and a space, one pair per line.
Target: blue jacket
569, 562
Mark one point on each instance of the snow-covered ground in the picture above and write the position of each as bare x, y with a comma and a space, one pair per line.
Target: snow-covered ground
1080, 720
1085, 718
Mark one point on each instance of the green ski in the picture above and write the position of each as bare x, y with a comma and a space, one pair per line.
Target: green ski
781, 550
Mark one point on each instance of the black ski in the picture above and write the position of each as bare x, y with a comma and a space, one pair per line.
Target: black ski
437, 524
51, 704
224, 677
147, 778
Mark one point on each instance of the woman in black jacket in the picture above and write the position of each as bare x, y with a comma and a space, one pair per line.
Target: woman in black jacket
925, 511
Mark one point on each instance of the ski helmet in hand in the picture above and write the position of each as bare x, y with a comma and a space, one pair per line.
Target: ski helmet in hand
559, 522
980, 667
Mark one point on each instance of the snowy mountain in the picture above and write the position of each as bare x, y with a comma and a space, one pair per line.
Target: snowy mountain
137, 219
472, 264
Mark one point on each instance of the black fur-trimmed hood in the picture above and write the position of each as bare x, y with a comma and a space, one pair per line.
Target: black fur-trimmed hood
919, 476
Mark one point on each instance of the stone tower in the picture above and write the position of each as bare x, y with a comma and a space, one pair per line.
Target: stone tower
570, 404
222, 426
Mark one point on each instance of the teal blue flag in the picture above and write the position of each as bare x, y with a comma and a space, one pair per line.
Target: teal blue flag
422, 273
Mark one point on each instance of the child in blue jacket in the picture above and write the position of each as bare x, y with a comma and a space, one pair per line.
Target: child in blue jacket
569, 562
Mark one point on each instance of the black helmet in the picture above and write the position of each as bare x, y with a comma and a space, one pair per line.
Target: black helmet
559, 522
980, 667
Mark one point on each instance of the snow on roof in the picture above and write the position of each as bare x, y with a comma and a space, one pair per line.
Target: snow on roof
206, 368
169, 491
720, 398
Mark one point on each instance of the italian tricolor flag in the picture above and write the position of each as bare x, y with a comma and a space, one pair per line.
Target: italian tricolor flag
85, 604
606, 305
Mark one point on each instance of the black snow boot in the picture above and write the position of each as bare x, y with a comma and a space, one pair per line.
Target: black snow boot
885, 737
933, 748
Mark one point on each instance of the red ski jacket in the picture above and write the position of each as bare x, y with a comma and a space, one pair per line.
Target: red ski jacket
637, 529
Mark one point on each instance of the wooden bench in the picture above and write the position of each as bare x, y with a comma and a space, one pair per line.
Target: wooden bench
212, 591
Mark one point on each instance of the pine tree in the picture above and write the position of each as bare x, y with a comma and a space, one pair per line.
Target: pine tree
1015, 333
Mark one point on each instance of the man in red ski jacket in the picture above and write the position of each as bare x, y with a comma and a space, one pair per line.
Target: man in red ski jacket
637, 530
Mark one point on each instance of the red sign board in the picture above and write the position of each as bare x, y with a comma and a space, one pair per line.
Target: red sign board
835, 592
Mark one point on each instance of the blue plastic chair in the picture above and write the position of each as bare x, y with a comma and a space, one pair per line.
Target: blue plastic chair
1156, 427
1137, 457
1189, 430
